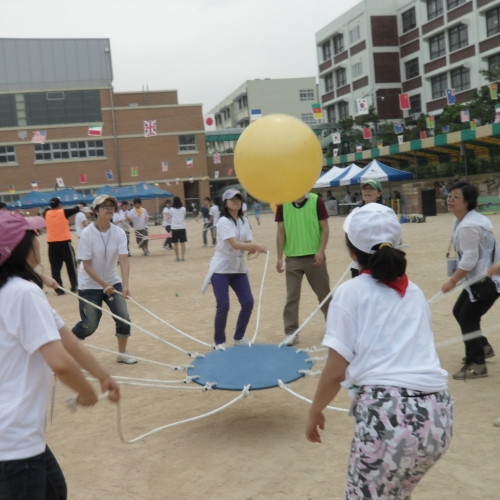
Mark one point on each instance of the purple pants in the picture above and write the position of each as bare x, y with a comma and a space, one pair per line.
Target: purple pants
241, 287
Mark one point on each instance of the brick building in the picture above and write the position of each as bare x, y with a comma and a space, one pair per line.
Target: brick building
63, 87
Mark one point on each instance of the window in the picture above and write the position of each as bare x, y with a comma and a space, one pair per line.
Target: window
308, 118
412, 69
437, 46
218, 120
434, 8
243, 102
327, 51
439, 85
357, 70
341, 77
343, 110
7, 154
460, 79
415, 104
329, 82
338, 44
187, 143
330, 114
67, 150
493, 21
354, 35
409, 20
306, 95
454, 3
458, 37
493, 62
8, 116
226, 113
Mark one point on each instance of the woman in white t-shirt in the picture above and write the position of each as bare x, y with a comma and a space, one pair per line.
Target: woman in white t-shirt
167, 225
214, 213
140, 218
102, 246
381, 348
120, 218
177, 214
34, 342
228, 269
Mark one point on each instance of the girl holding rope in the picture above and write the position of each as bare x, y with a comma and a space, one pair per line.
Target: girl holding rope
381, 348
178, 214
140, 218
228, 269
34, 342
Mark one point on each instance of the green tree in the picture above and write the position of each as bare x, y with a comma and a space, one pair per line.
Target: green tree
482, 106
451, 117
492, 74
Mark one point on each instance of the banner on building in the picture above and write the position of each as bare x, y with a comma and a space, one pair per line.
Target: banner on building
404, 101
398, 128
335, 152
446, 129
191, 179
255, 114
134, 171
380, 144
109, 175
39, 137
210, 122
367, 133
95, 130
149, 128
59, 182
12, 189
430, 122
359, 148
216, 174
189, 162
336, 138
317, 111
401, 139
164, 166
230, 172
217, 159
34, 185
423, 134
362, 106
450, 97
464, 116
83, 179
493, 90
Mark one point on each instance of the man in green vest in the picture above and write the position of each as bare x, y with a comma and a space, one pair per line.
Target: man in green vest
302, 236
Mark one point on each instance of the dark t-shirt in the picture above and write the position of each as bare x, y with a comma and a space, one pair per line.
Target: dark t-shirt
321, 209
206, 213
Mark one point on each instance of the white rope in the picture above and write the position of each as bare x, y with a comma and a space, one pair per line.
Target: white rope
441, 295
186, 380
312, 349
243, 394
195, 355
316, 359
260, 299
281, 385
72, 401
309, 373
159, 386
469, 336
294, 335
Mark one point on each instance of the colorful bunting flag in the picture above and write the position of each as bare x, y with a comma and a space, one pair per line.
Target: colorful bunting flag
167, 183
362, 106
230, 172
398, 128
210, 122
12, 189
157, 185
134, 171
189, 162
367, 133
216, 174
464, 116
423, 134
39, 137
450, 97
359, 148
473, 124
164, 166
493, 90
149, 128
217, 159
177, 180
404, 101
401, 139
191, 179
497, 109
335, 152
83, 179
34, 185
380, 144
60, 182
431, 122
109, 175
446, 129
317, 111
95, 130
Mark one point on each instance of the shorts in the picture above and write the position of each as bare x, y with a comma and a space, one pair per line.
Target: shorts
400, 434
179, 235
141, 236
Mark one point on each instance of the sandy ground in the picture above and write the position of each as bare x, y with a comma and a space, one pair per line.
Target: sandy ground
255, 449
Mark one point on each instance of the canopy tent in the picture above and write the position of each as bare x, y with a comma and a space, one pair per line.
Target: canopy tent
344, 179
120, 193
147, 192
381, 172
326, 177
36, 199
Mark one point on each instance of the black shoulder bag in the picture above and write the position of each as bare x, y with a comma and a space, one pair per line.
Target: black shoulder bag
486, 288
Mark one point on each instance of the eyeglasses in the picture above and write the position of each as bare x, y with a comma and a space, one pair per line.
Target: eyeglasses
454, 198
108, 207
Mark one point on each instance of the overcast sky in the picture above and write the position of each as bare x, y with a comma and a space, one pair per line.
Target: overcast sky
202, 48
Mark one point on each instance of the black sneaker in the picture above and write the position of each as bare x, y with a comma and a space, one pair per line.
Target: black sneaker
74, 289
60, 292
488, 353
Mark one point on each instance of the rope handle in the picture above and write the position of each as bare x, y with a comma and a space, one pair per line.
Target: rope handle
72, 401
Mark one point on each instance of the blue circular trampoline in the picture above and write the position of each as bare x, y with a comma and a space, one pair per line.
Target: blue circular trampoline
260, 365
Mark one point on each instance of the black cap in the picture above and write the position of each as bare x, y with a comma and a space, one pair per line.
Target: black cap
54, 202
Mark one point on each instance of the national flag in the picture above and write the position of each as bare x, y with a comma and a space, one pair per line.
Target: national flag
83, 179
317, 111
446, 129
22, 134
398, 128
34, 186
255, 114
473, 124
177, 180
464, 116
191, 179
336, 138
164, 166
359, 148
39, 137
380, 144
362, 106
60, 182
335, 152
367, 133
404, 101
497, 109
493, 90
430, 121
109, 175
401, 139
497, 119
157, 185
210, 122
229, 171
450, 97
423, 134
12, 189
217, 159
216, 174
167, 183
189, 162
134, 171
149, 128
95, 130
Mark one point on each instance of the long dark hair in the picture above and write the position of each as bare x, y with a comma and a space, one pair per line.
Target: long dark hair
386, 264
177, 202
16, 264
224, 212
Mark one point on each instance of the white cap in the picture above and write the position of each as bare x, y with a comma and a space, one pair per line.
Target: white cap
371, 225
102, 198
229, 194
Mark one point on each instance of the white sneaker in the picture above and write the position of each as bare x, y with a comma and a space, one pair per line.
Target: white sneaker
220, 347
125, 357
291, 340
242, 341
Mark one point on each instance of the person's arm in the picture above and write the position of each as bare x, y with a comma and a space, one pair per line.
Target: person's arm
125, 272
91, 272
68, 372
328, 387
48, 281
319, 258
146, 218
248, 247
280, 245
68, 212
494, 269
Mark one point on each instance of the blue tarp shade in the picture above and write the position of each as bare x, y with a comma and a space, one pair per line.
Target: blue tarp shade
148, 192
37, 199
381, 172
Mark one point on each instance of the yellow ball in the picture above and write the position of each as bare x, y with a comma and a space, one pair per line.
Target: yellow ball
278, 159
273, 206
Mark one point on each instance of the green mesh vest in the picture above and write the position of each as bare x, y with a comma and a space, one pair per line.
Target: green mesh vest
302, 228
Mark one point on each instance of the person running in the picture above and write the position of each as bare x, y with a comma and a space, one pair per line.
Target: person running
381, 347
256, 211
59, 242
120, 218
178, 213
34, 343
214, 217
139, 217
228, 268
102, 245
205, 213
167, 221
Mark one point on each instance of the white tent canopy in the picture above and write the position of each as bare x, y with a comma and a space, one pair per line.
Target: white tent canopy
324, 180
345, 178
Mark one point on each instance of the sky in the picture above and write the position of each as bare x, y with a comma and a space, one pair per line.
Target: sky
204, 49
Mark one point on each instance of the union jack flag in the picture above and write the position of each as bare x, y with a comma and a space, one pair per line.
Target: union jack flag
217, 158
149, 128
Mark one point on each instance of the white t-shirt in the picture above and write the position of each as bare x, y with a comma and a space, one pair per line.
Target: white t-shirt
244, 208
27, 322
139, 222
167, 218
215, 212
178, 215
80, 219
120, 220
102, 249
387, 339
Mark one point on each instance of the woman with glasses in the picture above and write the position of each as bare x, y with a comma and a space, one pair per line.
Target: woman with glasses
476, 249
102, 246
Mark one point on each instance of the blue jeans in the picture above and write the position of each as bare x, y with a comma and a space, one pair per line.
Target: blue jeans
91, 316
241, 287
34, 478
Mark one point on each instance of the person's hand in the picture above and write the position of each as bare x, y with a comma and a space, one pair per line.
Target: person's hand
109, 384
449, 285
319, 259
89, 398
314, 421
279, 266
494, 269
50, 282
109, 290
126, 292
257, 247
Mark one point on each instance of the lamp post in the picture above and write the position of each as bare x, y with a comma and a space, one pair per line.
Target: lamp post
115, 139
